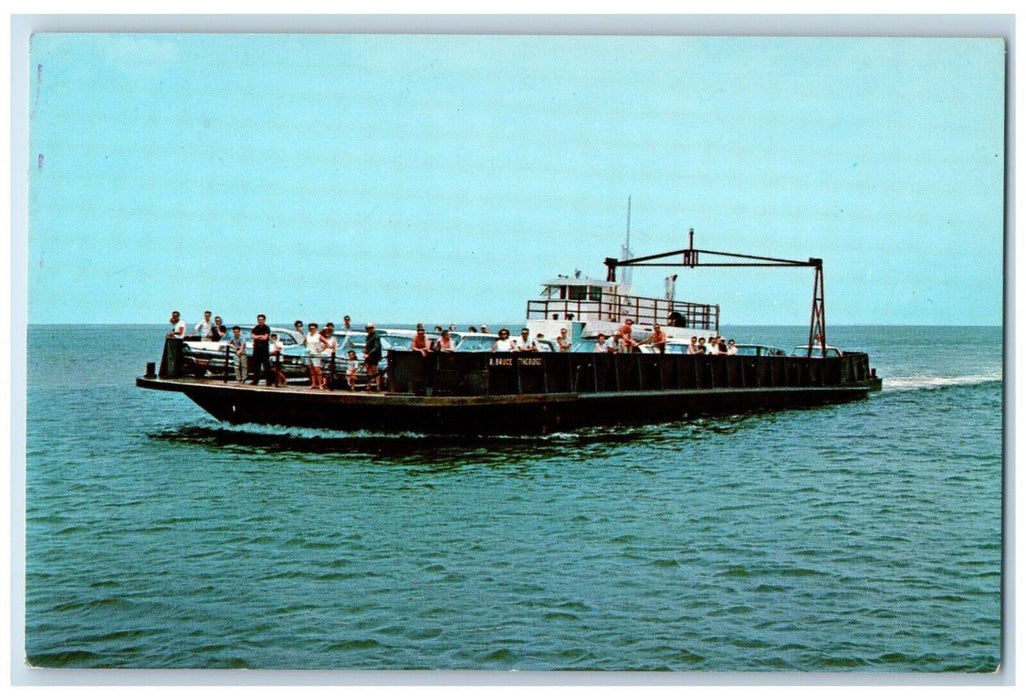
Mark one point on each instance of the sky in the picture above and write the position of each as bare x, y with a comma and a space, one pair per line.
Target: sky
438, 179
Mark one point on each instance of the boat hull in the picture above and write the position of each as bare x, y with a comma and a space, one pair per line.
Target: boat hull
532, 393
485, 415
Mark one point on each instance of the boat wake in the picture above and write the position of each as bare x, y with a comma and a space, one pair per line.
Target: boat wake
325, 441
318, 440
918, 382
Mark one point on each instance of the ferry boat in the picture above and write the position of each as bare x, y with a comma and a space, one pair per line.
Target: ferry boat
508, 393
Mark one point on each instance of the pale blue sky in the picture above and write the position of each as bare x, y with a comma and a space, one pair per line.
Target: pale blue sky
442, 178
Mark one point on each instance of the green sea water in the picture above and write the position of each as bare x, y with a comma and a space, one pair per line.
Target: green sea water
859, 537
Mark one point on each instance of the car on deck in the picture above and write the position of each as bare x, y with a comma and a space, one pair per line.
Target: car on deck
817, 351
207, 357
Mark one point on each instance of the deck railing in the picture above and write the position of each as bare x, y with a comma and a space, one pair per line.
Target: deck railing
175, 362
643, 310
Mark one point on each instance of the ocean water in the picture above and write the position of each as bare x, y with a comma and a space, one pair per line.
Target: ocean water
860, 537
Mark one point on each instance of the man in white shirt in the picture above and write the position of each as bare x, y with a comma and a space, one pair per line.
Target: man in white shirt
177, 326
563, 341
524, 342
204, 329
602, 345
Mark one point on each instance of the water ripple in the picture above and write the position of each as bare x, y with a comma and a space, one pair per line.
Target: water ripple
862, 537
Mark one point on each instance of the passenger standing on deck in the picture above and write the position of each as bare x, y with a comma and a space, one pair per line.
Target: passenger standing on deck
261, 337
275, 347
298, 326
314, 347
693, 346
329, 335
329, 344
602, 345
700, 350
346, 328
217, 331
503, 344
177, 326
444, 343
524, 342
731, 348
238, 346
372, 356
205, 327
420, 341
657, 339
563, 340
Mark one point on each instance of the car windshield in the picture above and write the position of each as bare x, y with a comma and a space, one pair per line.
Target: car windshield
803, 351
481, 343
396, 342
752, 350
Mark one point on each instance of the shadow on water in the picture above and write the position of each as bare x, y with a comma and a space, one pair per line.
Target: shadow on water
404, 447
401, 447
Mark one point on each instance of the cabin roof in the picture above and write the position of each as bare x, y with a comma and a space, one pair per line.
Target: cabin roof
578, 282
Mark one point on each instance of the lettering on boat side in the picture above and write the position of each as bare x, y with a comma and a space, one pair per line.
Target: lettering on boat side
529, 361
500, 362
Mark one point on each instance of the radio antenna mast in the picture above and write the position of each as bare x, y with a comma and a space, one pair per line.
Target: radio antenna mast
625, 249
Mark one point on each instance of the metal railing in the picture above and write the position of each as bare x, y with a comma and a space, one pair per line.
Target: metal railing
643, 310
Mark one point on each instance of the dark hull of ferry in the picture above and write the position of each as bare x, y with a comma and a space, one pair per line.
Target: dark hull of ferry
485, 415
533, 393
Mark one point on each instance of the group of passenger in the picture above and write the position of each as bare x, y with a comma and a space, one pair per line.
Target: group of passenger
321, 343
207, 329
717, 345
623, 339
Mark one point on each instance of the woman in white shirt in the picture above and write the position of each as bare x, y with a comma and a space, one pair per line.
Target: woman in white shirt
503, 344
314, 347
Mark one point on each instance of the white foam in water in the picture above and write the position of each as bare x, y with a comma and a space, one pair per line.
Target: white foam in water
299, 433
924, 381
